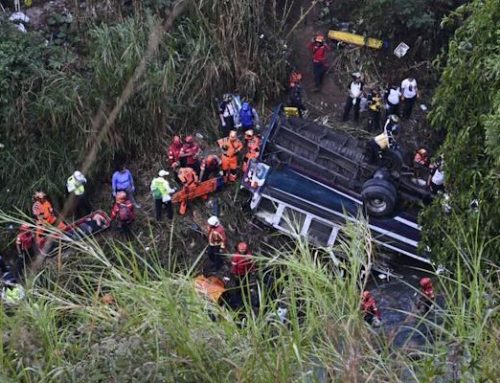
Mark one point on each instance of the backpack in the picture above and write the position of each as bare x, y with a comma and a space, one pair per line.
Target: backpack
246, 116
124, 213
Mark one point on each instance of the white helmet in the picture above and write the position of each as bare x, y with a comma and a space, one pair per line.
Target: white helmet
213, 221
163, 173
79, 176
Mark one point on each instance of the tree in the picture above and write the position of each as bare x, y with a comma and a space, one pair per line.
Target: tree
467, 107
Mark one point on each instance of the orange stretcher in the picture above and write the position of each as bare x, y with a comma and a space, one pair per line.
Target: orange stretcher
200, 190
211, 287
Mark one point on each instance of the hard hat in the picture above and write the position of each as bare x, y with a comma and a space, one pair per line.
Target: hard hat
176, 140
24, 228
394, 119
79, 176
40, 195
425, 282
356, 75
249, 133
319, 38
121, 196
189, 140
422, 151
242, 247
295, 77
245, 106
233, 134
366, 294
163, 173
213, 221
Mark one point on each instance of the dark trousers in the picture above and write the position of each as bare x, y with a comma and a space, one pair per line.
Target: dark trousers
348, 106
215, 256
159, 206
436, 188
408, 106
318, 70
393, 109
374, 121
81, 206
372, 151
229, 126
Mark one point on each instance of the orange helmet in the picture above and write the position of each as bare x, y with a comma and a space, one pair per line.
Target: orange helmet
319, 38
176, 140
189, 140
366, 295
242, 247
233, 135
24, 228
295, 77
121, 197
425, 282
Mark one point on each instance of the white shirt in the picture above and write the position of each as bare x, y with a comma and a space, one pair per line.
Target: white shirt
438, 177
228, 110
355, 89
394, 95
409, 88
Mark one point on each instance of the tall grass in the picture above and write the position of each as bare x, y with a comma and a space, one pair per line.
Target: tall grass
159, 329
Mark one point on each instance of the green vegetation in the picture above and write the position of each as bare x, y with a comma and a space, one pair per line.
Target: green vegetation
54, 102
467, 107
158, 329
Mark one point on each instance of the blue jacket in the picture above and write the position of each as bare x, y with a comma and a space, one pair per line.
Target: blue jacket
246, 115
122, 181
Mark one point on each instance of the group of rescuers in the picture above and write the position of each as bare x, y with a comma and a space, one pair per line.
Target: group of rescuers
190, 170
397, 101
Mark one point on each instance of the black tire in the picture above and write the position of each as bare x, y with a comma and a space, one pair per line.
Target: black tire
392, 159
379, 197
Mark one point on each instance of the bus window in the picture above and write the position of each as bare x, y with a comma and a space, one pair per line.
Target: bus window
319, 232
292, 220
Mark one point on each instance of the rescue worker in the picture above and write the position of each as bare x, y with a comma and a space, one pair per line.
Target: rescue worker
189, 154
383, 141
421, 163
427, 297
189, 181
249, 119
295, 92
253, 148
123, 211
75, 185
230, 146
241, 262
392, 98
161, 191
354, 97
227, 113
374, 110
371, 313
43, 211
216, 242
24, 245
210, 167
174, 152
409, 89
436, 178
123, 181
318, 49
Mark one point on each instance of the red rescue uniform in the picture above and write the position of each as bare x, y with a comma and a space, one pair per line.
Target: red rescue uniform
24, 242
190, 152
174, 152
241, 264
369, 307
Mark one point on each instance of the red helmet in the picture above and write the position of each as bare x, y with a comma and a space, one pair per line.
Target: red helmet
176, 140
24, 228
189, 140
425, 282
242, 247
121, 197
366, 295
319, 38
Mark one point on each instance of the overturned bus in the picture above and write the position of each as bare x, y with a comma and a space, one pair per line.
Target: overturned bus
309, 180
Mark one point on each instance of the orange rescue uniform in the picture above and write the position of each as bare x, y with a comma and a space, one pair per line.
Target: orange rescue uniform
230, 149
253, 150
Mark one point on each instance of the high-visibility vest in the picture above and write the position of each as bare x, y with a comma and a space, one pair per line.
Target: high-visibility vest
382, 140
74, 186
160, 187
